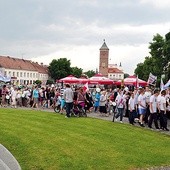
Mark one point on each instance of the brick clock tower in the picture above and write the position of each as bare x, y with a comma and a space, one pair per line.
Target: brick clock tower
104, 59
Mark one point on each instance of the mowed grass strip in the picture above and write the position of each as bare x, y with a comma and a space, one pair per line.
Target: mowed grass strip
47, 141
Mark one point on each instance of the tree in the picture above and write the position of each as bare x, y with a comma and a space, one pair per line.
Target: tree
77, 72
157, 63
90, 73
126, 75
49, 82
157, 55
38, 82
167, 57
59, 68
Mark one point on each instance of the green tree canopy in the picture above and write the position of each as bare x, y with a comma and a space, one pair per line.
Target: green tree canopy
159, 61
90, 73
126, 75
77, 72
59, 68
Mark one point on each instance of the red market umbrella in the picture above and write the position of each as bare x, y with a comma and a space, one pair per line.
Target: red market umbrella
99, 79
132, 80
83, 80
69, 79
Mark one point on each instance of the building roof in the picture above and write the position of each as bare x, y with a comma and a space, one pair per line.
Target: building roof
114, 70
21, 64
104, 46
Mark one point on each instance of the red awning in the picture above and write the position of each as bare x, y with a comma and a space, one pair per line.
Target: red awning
69, 79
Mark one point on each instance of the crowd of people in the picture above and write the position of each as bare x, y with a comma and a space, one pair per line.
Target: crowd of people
143, 105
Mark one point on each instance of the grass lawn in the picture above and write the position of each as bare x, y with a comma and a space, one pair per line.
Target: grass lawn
47, 141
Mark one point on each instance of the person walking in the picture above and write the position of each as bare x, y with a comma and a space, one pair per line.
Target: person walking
13, 97
153, 110
162, 111
68, 97
35, 97
97, 100
120, 101
132, 110
102, 104
142, 106
148, 95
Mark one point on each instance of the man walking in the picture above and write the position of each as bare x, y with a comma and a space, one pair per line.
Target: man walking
68, 97
153, 110
142, 106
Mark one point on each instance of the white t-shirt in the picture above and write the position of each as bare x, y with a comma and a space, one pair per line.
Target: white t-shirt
148, 95
132, 103
120, 100
153, 102
14, 94
142, 100
162, 102
159, 98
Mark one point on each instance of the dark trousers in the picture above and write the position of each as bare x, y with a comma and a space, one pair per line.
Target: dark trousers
132, 115
153, 116
69, 107
146, 115
95, 108
120, 113
163, 119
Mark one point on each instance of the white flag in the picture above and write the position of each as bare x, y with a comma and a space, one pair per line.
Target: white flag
152, 79
161, 85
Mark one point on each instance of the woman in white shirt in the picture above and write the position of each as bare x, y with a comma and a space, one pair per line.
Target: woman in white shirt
132, 109
162, 109
142, 106
120, 101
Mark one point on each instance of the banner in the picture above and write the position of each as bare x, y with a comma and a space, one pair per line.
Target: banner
152, 79
5, 79
161, 85
167, 85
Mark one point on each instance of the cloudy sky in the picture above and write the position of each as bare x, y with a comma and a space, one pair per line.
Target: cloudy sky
42, 30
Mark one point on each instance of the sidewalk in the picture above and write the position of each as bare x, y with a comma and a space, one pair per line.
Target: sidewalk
7, 160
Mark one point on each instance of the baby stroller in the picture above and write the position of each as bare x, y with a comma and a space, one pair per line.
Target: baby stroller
78, 109
57, 107
60, 105
113, 109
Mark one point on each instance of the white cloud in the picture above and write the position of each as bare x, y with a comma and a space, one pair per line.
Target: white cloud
162, 4
44, 30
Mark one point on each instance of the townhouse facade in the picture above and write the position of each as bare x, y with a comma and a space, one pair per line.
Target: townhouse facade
21, 71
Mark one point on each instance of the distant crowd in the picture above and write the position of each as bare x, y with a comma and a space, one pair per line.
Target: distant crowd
143, 105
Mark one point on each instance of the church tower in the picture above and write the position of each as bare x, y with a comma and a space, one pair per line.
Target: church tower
104, 59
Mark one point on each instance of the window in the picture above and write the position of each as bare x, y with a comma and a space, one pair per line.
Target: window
27, 74
33, 75
24, 74
13, 74
5, 73
103, 64
30, 74
17, 74
20, 74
